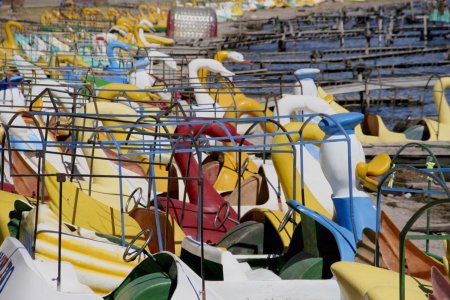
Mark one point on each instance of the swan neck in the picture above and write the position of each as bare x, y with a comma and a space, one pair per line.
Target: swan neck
110, 51
202, 74
137, 36
141, 38
9, 35
201, 95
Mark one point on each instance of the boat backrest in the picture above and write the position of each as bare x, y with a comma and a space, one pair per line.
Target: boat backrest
369, 125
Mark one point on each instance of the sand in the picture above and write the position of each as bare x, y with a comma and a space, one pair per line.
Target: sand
401, 206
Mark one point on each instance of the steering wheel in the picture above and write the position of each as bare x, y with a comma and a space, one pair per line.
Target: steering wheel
287, 217
136, 195
131, 252
226, 216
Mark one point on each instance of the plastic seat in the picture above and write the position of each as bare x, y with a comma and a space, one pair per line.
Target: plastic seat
151, 286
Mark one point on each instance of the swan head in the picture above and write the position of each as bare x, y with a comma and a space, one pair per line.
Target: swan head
306, 73
224, 71
233, 56
110, 37
211, 65
119, 30
15, 24
149, 25
237, 57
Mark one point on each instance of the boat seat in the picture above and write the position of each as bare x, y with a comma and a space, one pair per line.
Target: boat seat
146, 217
370, 125
254, 237
426, 130
220, 264
153, 278
254, 191
415, 132
186, 215
211, 171
146, 286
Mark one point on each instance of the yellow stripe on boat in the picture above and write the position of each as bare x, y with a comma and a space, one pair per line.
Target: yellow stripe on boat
91, 213
97, 261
